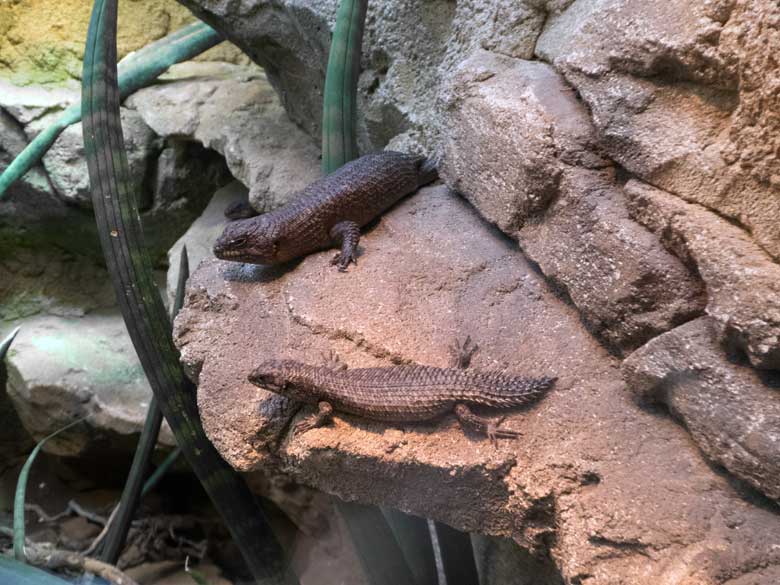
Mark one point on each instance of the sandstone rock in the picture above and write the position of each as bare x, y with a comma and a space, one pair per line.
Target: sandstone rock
62, 369
560, 200
675, 90
500, 561
498, 107
732, 412
612, 493
234, 111
743, 283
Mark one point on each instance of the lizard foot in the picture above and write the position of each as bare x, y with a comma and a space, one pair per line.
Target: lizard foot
342, 260
320, 418
488, 427
348, 233
461, 354
332, 361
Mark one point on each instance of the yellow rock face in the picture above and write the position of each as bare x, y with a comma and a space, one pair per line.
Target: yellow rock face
42, 41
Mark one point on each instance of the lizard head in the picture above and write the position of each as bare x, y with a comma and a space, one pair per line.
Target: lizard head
285, 377
247, 240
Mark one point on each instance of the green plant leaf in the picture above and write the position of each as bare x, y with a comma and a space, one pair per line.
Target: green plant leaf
21, 491
339, 106
6, 344
130, 267
380, 555
161, 470
134, 488
137, 70
15, 573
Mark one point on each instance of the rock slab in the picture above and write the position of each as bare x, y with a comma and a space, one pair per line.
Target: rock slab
574, 488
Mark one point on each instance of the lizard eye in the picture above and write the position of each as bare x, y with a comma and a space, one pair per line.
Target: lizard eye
238, 242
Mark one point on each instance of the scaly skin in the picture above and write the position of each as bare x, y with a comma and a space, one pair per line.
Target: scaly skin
401, 393
329, 211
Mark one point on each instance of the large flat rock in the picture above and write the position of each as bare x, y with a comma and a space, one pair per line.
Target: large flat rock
611, 492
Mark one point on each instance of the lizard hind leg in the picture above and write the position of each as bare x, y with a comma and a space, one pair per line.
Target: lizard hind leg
347, 233
323, 416
485, 426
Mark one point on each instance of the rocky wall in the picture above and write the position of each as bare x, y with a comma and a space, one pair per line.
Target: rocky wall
629, 151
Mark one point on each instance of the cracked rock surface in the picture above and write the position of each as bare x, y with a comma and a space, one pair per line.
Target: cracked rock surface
732, 411
684, 96
609, 492
742, 281
560, 200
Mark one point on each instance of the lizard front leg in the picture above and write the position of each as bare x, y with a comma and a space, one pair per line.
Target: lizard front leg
323, 416
347, 233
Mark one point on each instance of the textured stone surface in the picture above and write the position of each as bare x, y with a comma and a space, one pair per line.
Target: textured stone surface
409, 50
684, 95
575, 488
500, 562
732, 412
742, 281
66, 165
39, 46
560, 200
498, 107
234, 111
31, 212
15, 441
63, 369
174, 179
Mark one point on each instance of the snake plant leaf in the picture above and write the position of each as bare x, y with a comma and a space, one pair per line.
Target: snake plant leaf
15, 573
134, 486
161, 470
339, 107
6, 343
457, 555
21, 492
137, 70
131, 271
380, 555
414, 539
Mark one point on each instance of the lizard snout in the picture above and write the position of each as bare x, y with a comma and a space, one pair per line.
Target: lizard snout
266, 378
